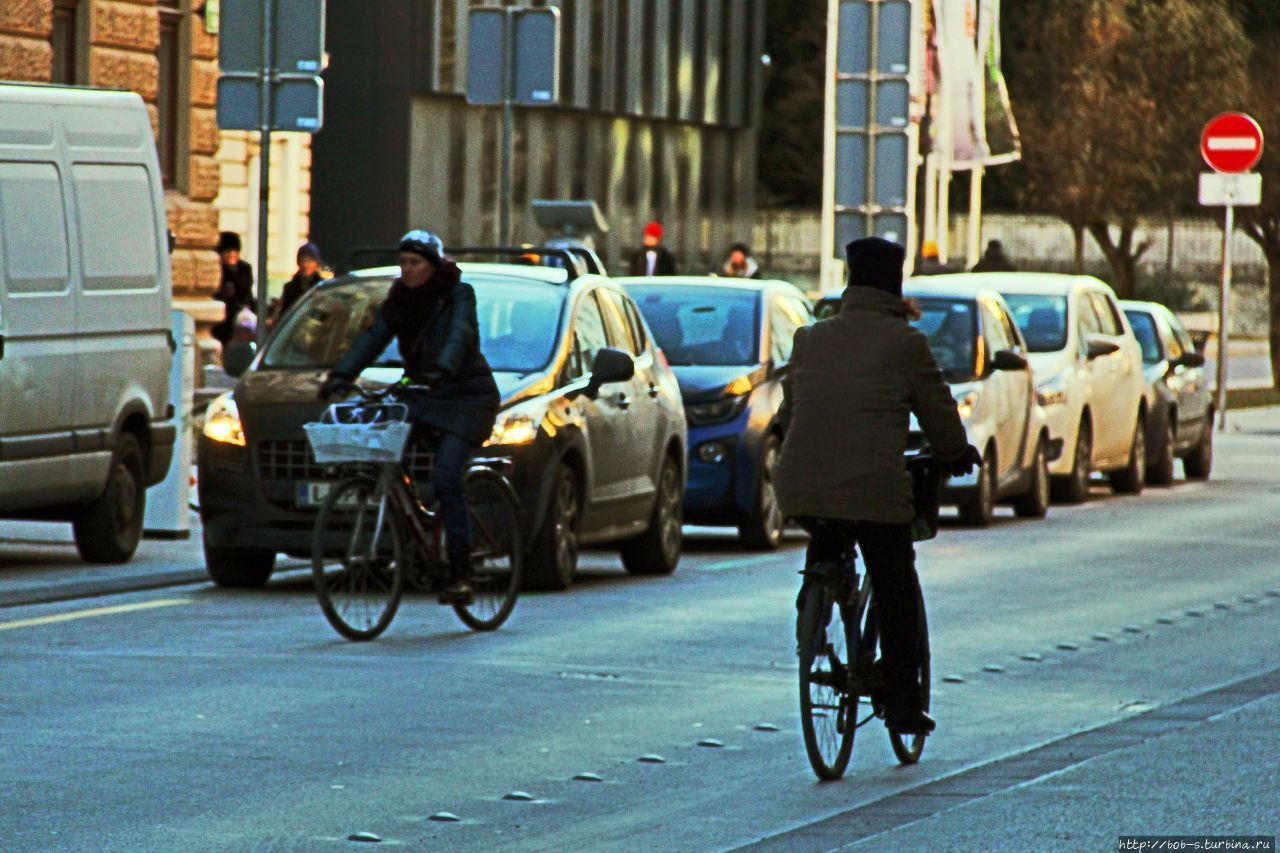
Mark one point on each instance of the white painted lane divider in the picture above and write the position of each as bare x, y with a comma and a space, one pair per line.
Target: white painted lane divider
97, 611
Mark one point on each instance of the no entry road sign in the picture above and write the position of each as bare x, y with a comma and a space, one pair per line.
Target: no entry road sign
1231, 142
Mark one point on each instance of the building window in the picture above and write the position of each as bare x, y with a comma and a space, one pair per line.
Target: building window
66, 56
168, 53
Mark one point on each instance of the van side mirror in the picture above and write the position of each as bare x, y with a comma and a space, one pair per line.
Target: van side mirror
611, 365
1008, 360
1098, 347
1188, 359
238, 357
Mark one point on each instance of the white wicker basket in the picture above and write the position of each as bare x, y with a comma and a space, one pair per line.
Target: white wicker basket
343, 436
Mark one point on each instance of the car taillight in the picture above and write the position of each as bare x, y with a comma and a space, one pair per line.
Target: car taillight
662, 357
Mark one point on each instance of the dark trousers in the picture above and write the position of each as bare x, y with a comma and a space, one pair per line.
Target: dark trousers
890, 557
452, 458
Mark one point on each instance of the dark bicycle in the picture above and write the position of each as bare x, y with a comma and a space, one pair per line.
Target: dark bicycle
373, 533
837, 636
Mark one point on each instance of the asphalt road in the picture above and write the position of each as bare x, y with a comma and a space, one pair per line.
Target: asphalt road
1113, 670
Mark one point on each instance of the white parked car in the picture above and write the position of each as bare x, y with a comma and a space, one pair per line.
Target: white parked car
982, 355
1088, 372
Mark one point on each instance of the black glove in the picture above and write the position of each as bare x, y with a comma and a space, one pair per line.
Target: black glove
967, 462
335, 386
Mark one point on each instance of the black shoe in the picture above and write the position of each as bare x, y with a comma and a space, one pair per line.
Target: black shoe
910, 723
457, 592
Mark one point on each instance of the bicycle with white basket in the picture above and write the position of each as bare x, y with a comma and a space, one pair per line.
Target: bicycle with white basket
373, 533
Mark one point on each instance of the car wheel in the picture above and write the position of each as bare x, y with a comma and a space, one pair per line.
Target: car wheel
1199, 462
1074, 488
1130, 479
238, 568
657, 550
1161, 473
553, 559
977, 509
1035, 503
763, 530
109, 529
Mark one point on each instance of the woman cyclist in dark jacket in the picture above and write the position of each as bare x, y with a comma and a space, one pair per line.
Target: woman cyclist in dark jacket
431, 312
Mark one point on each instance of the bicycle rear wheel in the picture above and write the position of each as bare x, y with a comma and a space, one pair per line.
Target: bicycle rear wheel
497, 558
828, 713
909, 747
357, 559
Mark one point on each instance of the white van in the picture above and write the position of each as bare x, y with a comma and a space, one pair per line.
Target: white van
85, 296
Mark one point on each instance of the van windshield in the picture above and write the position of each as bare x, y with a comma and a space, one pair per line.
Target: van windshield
519, 324
951, 325
1042, 320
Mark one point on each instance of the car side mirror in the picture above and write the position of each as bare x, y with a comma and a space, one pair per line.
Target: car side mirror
238, 357
1188, 359
611, 365
1099, 347
1008, 360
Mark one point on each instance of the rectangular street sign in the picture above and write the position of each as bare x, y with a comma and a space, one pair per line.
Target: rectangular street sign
536, 49
537, 56
297, 103
298, 36
1230, 189
486, 50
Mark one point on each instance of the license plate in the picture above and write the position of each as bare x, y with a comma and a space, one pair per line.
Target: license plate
312, 495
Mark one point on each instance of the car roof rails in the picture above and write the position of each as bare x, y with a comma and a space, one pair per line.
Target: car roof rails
574, 265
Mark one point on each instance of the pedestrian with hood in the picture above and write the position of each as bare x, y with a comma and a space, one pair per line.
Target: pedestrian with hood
431, 313
235, 290
853, 382
994, 259
307, 277
740, 264
653, 258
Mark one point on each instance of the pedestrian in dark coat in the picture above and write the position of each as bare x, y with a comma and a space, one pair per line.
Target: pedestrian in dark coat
235, 290
307, 277
653, 258
431, 313
853, 382
994, 259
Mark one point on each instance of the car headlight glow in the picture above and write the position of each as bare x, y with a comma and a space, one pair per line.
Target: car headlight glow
222, 421
518, 425
1051, 393
966, 403
724, 409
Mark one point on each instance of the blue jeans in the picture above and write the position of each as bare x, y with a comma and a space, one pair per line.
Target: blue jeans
452, 458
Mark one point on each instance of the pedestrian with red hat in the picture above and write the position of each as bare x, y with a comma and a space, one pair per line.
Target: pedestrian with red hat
653, 258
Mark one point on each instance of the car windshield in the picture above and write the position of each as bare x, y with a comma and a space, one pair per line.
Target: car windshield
1041, 318
1144, 326
702, 325
518, 324
952, 328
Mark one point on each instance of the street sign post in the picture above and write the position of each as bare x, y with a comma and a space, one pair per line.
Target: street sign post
513, 57
270, 53
1231, 143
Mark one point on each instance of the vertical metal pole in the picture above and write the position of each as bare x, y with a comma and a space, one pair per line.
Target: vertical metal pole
973, 240
1224, 317
508, 125
264, 160
831, 270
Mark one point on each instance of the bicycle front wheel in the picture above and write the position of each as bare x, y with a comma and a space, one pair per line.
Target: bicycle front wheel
908, 748
357, 559
828, 713
496, 552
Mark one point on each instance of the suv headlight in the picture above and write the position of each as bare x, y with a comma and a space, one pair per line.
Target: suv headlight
966, 403
516, 426
716, 411
222, 421
1052, 393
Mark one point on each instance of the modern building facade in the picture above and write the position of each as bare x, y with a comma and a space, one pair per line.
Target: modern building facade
657, 118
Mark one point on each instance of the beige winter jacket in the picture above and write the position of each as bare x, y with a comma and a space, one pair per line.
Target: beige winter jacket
852, 383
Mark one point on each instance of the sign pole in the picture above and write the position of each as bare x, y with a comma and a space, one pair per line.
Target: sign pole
508, 125
1224, 316
264, 161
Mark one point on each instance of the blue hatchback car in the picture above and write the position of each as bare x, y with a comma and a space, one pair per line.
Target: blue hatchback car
728, 341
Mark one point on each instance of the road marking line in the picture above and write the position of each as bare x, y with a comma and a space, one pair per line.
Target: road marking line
98, 611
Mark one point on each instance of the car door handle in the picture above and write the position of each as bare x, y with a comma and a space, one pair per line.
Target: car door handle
653, 391
623, 401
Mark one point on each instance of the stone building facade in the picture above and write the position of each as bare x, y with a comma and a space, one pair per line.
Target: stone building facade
162, 50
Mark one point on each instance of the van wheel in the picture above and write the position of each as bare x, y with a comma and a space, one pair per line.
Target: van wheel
238, 568
1035, 503
552, 560
1074, 488
109, 529
978, 508
1161, 473
1199, 462
657, 550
